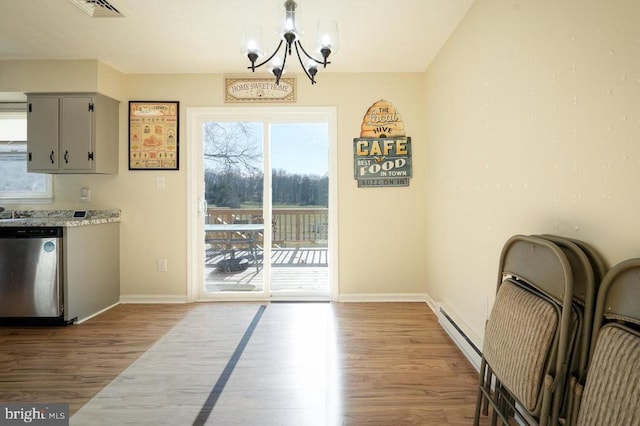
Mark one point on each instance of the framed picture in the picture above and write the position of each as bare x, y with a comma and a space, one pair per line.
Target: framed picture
153, 135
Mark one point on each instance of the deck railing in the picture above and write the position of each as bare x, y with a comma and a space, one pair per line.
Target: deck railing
291, 227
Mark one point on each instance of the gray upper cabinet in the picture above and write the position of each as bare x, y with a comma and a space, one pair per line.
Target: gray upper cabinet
72, 133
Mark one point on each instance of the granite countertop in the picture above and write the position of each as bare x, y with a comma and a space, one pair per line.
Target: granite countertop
57, 217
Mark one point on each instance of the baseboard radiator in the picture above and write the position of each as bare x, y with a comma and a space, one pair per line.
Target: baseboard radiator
460, 334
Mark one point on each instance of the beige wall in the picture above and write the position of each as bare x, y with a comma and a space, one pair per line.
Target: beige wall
533, 126
381, 240
47, 76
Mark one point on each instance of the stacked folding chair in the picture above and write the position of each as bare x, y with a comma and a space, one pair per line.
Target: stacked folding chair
588, 269
611, 393
538, 333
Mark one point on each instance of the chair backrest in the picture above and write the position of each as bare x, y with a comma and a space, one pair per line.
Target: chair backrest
584, 282
618, 296
539, 262
599, 265
613, 379
528, 332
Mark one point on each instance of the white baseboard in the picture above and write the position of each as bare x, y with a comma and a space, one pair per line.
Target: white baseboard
432, 304
346, 298
81, 320
467, 341
384, 297
153, 299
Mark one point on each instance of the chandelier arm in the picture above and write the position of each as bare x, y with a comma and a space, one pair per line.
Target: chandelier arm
284, 62
311, 57
313, 80
270, 57
284, 59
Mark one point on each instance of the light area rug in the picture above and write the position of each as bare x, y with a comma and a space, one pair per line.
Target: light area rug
287, 375
170, 382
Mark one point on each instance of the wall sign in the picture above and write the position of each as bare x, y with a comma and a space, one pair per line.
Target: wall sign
382, 153
259, 89
153, 135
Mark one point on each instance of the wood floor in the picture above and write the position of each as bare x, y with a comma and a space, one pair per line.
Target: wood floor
71, 364
304, 364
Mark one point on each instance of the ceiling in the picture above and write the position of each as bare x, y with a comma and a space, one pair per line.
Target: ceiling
204, 36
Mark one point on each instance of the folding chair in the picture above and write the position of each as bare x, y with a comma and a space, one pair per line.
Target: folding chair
527, 336
610, 394
587, 268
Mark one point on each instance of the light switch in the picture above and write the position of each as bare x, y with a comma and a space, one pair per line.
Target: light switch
85, 194
160, 182
161, 264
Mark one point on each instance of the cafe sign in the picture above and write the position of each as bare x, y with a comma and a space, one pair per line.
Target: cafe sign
382, 153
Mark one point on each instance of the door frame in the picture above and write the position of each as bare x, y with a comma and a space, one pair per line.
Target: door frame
195, 203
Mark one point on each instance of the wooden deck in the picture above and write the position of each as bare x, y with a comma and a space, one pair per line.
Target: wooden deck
302, 271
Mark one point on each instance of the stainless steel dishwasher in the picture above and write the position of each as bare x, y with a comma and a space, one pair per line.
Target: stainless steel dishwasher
31, 280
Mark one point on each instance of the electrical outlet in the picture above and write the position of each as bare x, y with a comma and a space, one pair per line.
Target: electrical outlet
161, 264
160, 184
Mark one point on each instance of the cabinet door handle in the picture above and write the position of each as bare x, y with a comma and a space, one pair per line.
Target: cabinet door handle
51, 158
66, 157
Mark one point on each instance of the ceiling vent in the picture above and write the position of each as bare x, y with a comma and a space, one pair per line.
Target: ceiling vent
97, 8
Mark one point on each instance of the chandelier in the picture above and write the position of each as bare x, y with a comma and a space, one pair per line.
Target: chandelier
326, 43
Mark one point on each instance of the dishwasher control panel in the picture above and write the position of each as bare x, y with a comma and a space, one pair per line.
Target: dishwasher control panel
31, 232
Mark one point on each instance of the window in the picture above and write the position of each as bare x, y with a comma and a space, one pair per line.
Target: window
17, 185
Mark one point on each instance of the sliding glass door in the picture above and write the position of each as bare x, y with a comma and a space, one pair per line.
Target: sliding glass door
263, 235
299, 209
234, 218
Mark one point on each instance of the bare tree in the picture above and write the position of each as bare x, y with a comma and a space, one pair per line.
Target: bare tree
232, 147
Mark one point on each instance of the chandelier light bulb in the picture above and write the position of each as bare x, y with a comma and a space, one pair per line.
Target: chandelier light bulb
326, 40
327, 36
290, 15
288, 25
312, 70
251, 45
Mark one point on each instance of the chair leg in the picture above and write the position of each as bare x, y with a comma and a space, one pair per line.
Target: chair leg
480, 400
503, 401
487, 387
577, 399
504, 405
546, 400
497, 404
571, 390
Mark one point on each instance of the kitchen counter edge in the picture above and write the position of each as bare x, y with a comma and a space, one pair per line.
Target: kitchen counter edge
97, 217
